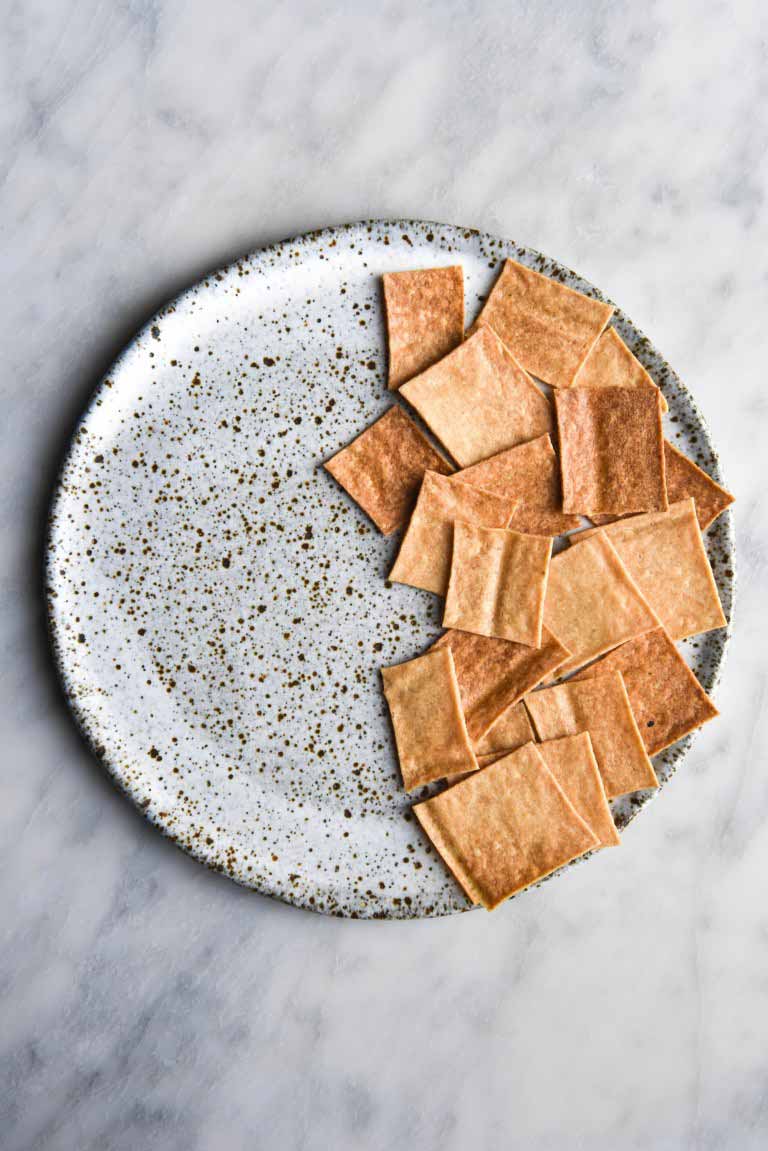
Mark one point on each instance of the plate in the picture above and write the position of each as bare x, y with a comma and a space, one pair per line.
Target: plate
218, 606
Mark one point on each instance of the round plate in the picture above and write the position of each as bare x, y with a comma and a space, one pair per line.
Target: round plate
218, 606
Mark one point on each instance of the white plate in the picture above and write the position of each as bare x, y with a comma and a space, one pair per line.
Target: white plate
218, 606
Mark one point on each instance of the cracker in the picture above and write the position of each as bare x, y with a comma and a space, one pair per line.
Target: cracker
425, 318
573, 764
529, 471
601, 707
664, 554
610, 364
511, 730
424, 559
550, 329
611, 450
478, 400
383, 467
505, 827
592, 603
497, 583
666, 698
685, 479
600, 520
493, 756
494, 674
430, 732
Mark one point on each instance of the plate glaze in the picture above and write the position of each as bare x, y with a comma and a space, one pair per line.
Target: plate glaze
218, 606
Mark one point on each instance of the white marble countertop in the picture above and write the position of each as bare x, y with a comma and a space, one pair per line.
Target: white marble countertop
146, 1003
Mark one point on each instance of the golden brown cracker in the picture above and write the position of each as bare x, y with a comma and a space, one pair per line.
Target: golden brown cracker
666, 698
497, 583
610, 364
601, 707
592, 603
530, 472
505, 827
478, 400
494, 674
611, 450
665, 556
425, 318
424, 559
383, 467
430, 732
511, 730
550, 329
572, 762
685, 480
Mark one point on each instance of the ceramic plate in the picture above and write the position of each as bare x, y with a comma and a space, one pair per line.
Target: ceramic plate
218, 606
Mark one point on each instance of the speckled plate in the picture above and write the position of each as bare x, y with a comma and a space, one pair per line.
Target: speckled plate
218, 606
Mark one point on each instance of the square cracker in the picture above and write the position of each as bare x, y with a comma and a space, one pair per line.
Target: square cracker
610, 364
592, 603
550, 329
478, 400
529, 471
601, 707
494, 674
666, 698
424, 559
430, 732
611, 450
497, 584
573, 764
425, 318
505, 827
664, 554
383, 467
511, 730
685, 479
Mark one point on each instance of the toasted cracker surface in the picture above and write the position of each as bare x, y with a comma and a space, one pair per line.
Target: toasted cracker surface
478, 400
550, 329
592, 603
425, 706
611, 450
494, 674
505, 827
497, 583
425, 318
531, 473
572, 762
424, 559
685, 480
600, 706
383, 467
511, 730
610, 364
665, 556
667, 700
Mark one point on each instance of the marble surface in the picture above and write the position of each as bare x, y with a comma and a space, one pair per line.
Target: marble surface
146, 1003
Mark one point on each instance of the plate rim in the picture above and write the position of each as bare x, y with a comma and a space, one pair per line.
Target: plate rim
302, 901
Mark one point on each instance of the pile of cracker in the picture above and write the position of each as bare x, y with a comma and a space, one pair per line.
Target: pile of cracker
546, 417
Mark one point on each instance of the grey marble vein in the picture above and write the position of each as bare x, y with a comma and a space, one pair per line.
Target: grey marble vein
145, 1003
